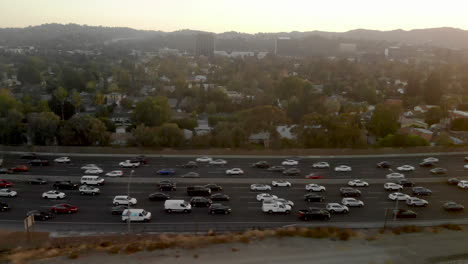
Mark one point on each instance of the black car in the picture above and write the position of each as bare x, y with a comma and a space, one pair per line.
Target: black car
167, 182
6, 171
4, 207
314, 214
37, 181
276, 168
426, 164
38, 162
142, 159
40, 215
191, 175
313, 197
292, 172
158, 197
29, 156
350, 192
453, 207
190, 165
167, 187
421, 191
453, 181
218, 208
219, 197
261, 165
119, 209
405, 183
403, 213
65, 185
200, 202
198, 191
213, 187
384, 165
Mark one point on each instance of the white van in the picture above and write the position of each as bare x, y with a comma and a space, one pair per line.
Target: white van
137, 215
276, 207
92, 180
177, 206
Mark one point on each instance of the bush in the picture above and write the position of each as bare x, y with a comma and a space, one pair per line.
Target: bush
399, 140
452, 227
132, 248
74, 255
460, 124
113, 250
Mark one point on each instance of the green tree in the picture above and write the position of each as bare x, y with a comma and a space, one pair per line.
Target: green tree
262, 118
42, 127
413, 89
399, 140
61, 95
433, 89
185, 123
8, 102
12, 128
384, 121
460, 124
76, 101
433, 115
84, 130
144, 136
170, 135
29, 73
126, 103
153, 111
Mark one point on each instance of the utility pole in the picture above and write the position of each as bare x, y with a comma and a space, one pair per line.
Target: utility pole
129, 228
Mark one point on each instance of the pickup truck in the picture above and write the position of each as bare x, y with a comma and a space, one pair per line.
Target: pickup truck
276, 207
129, 164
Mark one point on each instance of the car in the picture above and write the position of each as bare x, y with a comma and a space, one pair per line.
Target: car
395, 175
218, 208
261, 165
124, 200
260, 187
6, 171
384, 165
37, 181
350, 192
203, 159
29, 156
167, 187
214, 187
314, 214
358, 183
235, 171
312, 187
290, 162
137, 215
65, 185
86, 189
141, 158
452, 206
20, 168
266, 197
190, 175
390, 186
168, 183
453, 181
343, 168
4, 207
129, 164
352, 202
280, 183
190, 165
40, 215
53, 194
115, 173
62, 160
166, 172
292, 172
337, 208
313, 197
431, 159
172, 206
64, 208
466, 167
404, 213
463, 184
158, 196
405, 168
276, 168
314, 176
38, 162
398, 196
198, 201
217, 162
118, 210
281, 200
406, 183
93, 171
426, 164
321, 165
89, 166
415, 201
198, 190
8, 193
5, 184
418, 190
219, 197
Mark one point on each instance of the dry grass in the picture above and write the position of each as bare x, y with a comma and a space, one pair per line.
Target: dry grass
452, 227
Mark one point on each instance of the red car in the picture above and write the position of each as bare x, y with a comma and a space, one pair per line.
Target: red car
313, 176
20, 168
5, 184
64, 208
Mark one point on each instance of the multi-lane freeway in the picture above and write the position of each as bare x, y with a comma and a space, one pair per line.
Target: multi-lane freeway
94, 212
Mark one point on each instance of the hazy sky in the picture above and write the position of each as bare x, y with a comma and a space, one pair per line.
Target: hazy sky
239, 15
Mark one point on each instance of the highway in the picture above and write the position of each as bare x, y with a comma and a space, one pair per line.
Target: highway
94, 212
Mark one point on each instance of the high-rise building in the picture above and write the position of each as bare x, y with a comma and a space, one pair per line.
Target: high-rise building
205, 44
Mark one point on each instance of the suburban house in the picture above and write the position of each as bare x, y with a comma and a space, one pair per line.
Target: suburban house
203, 127
113, 98
286, 131
262, 138
412, 122
424, 133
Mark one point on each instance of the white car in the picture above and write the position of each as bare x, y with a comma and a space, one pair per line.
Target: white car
234, 171
358, 183
398, 196
290, 163
466, 167
94, 171
89, 166
203, 159
86, 189
219, 162
115, 173
312, 187
7, 193
124, 200
406, 168
62, 160
431, 159
266, 197
260, 187
463, 184
343, 168
395, 175
321, 165
129, 164
415, 201
352, 202
284, 201
280, 183
337, 208
53, 195
390, 186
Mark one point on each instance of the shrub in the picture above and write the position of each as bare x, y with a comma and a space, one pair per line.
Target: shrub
452, 227
132, 248
113, 250
73, 255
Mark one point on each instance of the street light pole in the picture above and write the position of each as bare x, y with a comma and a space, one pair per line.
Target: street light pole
128, 203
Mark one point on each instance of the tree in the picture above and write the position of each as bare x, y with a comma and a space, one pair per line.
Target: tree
153, 111
186, 123
8, 102
433, 115
84, 130
433, 89
126, 103
29, 73
12, 128
399, 140
42, 127
61, 95
384, 121
262, 118
413, 89
144, 136
76, 100
460, 124
170, 135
